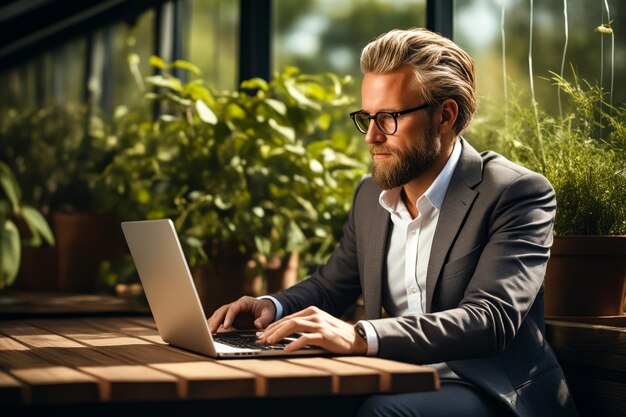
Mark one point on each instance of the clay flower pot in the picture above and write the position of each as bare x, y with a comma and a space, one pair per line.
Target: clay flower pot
586, 276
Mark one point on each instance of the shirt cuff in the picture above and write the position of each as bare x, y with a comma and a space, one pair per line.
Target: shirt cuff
277, 305
371, 336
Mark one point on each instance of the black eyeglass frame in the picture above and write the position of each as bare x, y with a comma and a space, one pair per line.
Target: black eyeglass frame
393, 114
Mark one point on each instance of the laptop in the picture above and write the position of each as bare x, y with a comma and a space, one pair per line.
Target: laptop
174, 301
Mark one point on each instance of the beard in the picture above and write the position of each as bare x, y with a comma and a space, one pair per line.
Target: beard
404, 166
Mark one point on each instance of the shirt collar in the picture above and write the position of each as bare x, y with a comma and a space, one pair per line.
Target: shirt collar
435, 194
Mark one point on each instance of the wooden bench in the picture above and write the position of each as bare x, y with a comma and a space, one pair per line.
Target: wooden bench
593, 357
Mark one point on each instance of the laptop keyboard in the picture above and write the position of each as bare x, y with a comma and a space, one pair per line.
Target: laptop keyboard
248, 341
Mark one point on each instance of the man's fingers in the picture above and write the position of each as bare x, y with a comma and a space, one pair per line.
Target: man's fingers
288, 327
307, 314
267, 316
311, 339
232, 312
217, 318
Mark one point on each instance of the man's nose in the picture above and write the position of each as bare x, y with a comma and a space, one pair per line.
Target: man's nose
374, 134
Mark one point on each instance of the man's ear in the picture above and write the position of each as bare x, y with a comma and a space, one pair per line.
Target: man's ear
449, 113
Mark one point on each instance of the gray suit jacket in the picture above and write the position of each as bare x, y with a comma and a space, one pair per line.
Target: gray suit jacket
484, 289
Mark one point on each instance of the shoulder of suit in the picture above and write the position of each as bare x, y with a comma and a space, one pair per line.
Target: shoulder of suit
497, 169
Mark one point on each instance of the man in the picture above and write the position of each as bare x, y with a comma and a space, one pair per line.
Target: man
451, 243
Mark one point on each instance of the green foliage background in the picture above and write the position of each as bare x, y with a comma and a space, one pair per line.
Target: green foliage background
582, 153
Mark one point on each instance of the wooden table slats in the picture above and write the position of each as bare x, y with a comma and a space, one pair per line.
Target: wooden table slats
346, 378
91, 360
55, 384
398, 376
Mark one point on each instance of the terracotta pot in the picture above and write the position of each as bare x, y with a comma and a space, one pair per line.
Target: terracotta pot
38, 265
229, 274
84, 240
38, 270
586, 276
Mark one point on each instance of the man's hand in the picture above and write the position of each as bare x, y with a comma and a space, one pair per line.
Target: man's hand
318, 328
245, 313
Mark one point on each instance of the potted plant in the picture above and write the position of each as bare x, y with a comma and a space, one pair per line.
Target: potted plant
12, 211
249, 176
56, 152
583, 155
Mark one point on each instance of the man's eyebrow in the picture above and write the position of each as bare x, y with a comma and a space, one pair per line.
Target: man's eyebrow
385, 110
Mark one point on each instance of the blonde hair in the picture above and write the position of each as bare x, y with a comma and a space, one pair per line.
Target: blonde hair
442, 69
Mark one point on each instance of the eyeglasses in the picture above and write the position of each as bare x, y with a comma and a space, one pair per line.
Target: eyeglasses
386, 121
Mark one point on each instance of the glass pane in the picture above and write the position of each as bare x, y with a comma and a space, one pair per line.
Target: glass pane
136, 38
325, 35
68, 71
213, 41
477, 28
18, 86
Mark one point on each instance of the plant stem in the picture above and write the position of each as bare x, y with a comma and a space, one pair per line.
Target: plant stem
532, 85
608, 15
564, 53
504, 73
602, 54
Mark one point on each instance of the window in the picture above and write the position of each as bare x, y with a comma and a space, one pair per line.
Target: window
325, 35
136, 37
477, 28
213, 41
52, 76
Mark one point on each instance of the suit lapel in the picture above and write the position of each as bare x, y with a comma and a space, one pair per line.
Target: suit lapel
374, 265
456, 205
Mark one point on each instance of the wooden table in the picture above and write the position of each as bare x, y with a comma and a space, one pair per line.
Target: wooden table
120, 366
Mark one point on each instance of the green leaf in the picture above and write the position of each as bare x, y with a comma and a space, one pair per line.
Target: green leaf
296, 240
316, 166
155, 61
165, 82
222, 204
258, 211
324, 121
9, 185
233, 111
120, 112
336, 82
278, 106
296, 149
263, 244
299, 96
205, 113
179, 63
194, 242
254, 84
285, 131
37, 224
320, 232
10, 253
308, 207
168, 118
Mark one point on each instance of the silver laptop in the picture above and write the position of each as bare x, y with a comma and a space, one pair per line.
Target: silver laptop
173, 299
